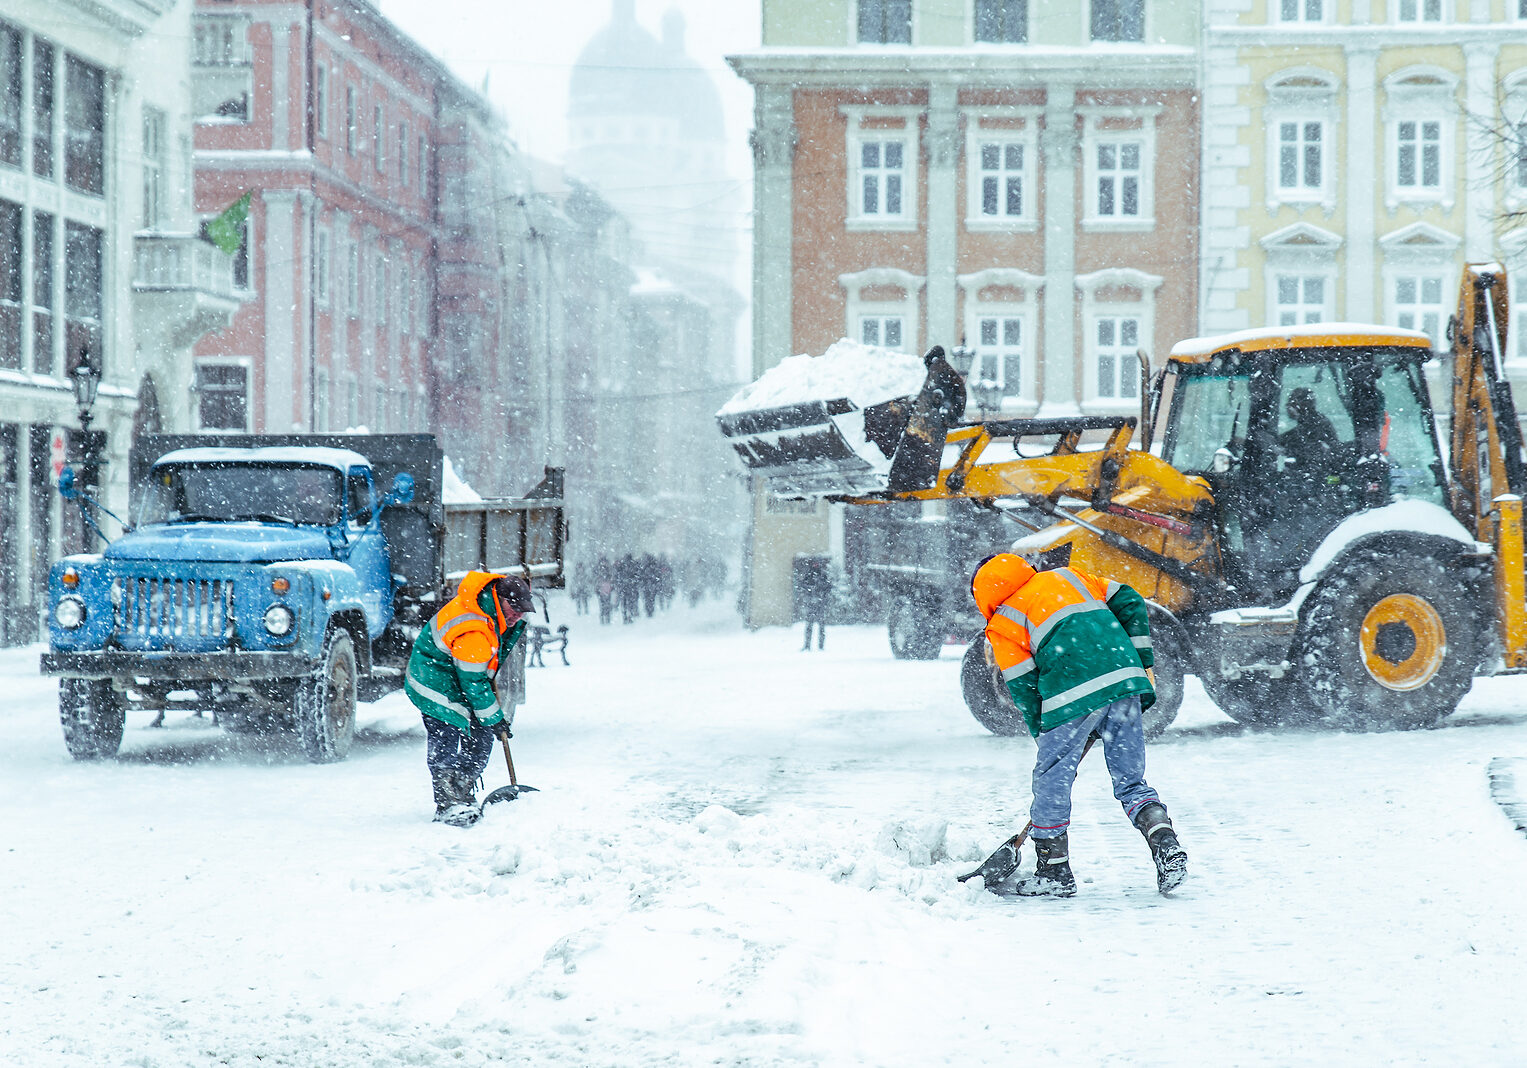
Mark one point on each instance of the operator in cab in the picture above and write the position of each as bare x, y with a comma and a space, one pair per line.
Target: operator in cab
452, 680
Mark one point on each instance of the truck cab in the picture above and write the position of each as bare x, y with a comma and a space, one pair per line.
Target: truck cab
275, 581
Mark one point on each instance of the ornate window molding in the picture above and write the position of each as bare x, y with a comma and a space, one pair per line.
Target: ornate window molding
883, 164
1117, 302
1420, 115
1119, 167
1001, 323
1002, 157
1301, 102
881, 294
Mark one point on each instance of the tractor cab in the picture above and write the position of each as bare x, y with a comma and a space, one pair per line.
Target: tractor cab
1295, 429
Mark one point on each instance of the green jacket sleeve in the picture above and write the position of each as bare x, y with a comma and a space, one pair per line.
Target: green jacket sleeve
1129, 609
1024, 690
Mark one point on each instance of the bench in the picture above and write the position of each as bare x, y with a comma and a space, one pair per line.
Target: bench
542, 638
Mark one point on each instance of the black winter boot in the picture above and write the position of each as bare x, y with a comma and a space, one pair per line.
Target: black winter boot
454, 804
1171, 859
1052, 871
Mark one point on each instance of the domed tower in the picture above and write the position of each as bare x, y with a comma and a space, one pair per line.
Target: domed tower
645, 129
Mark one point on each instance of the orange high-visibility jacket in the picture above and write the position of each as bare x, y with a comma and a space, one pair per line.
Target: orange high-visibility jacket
451, 669
1067, 643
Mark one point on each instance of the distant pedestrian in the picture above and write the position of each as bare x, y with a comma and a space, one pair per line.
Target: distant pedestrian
451, 680
1075, 651
604, 588
580, 590
628, 588
647, 571
814, 591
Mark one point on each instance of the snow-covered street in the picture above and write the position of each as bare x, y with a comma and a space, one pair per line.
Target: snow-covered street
736, 859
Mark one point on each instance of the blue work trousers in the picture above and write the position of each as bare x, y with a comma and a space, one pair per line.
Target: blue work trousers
451, 749
1060, 751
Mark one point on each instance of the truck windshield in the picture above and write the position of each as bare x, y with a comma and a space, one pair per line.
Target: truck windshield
1209, 412
280, 493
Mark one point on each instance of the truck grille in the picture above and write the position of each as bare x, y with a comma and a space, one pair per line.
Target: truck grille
157, 613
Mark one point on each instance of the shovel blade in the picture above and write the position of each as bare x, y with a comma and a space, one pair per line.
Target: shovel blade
508, 793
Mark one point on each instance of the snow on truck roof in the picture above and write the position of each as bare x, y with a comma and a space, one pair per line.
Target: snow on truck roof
343, 459
1310, 335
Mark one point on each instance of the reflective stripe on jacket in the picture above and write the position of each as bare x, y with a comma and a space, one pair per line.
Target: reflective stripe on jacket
1066, 642
451, 668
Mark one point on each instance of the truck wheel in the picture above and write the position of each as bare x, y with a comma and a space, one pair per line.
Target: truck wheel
1389, 640
914, 628
324, 704
1171, 649
93, 715
1254, 700
986, 694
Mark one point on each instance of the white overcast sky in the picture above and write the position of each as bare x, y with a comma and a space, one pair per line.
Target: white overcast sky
526, 48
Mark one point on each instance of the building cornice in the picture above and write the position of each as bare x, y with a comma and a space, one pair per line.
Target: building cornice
1367, 37
132, 17
1147, 66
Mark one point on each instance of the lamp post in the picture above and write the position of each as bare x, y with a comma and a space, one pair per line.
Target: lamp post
988, 397
86, 379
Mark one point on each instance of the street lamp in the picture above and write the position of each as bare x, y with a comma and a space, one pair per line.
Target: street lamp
86, 379
988, 396
962, 358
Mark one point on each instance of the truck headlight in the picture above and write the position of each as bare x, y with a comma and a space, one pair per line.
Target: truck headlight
278, 619
70, 612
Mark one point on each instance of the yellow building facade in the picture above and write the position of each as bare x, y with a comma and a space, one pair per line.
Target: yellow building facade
1355, 154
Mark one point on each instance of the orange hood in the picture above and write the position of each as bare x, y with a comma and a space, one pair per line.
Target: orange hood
998, 579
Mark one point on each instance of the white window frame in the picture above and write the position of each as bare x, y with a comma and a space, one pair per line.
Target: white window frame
858, 309
1025, 401
857, 136
1420, 250
1406, 101
379, 288
323, 246
1026, 137
1301, 280
1413, 12
379, 137
403, 153
1094, 135
1302, 12
155, 156
352, 120
1304, 250
321, 101
1142, 309
1514, 120
353, 280
1301, 95
246, 364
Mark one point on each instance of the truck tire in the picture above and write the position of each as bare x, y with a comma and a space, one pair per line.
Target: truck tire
915, 627
1256, 700
1171, 648
324, 703
93, 715
986, 695
1389, 640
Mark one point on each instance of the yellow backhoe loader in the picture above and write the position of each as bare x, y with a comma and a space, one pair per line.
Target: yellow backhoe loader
1306, 550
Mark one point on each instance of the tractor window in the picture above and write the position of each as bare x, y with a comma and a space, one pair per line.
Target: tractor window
1407, 438
1210, 412
1325, 385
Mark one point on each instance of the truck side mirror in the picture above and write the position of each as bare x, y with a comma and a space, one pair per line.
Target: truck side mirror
66, 487
402, 490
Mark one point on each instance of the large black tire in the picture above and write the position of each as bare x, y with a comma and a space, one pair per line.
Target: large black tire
1388, 640
324, 703
1170, 645
914, 628
93, 716
986, 694
1257, 700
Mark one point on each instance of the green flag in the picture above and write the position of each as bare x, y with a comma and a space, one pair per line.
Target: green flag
227, 230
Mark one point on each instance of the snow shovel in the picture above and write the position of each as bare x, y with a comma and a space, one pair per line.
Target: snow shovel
999, 867
515, 787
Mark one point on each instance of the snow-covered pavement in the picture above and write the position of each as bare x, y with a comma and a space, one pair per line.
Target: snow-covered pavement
738, 857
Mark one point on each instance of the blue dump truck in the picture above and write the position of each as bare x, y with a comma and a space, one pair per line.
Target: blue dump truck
275, 581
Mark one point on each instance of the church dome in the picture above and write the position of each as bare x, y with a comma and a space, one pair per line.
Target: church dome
625, 72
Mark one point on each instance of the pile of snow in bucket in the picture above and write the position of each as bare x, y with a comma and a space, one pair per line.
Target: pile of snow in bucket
865, 374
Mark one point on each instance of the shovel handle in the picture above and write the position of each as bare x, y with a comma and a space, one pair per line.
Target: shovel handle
508, 760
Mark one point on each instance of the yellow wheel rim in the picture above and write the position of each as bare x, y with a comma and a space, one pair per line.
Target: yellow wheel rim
1404, 642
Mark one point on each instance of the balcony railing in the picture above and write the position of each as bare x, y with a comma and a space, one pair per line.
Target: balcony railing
182, 262
221, 42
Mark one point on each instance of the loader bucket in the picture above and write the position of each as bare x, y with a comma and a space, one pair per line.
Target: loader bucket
819, 447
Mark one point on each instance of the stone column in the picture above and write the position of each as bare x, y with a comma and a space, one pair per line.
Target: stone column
279, 295
1363, 179
1481, 121
943, 152
1058, 143
773, 139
